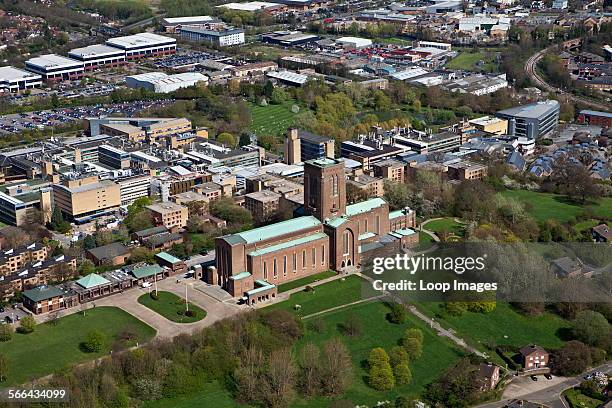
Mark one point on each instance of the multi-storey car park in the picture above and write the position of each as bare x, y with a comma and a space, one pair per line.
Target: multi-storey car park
143, 45
13, 79
98, 55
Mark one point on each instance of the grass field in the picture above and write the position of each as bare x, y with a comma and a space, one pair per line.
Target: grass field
53, 347
544, 206
305, 281
272, 119
377, 331
469, 61
446, 224
171, 307
503, 326
425, 241
326, 296
210, 395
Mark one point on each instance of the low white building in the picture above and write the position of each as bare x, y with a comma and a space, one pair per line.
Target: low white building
163, 83
354, 42
14, 80
95, 56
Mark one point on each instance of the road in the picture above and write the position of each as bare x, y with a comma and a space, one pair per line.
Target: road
530, 69
549, 396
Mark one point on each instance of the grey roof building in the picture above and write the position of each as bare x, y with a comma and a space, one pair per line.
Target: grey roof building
533, 120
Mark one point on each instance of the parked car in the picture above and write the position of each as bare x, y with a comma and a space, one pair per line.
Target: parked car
548, 376
534, 378
146, 284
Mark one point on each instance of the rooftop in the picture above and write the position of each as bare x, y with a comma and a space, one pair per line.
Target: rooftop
92, 280
364, 206
11, 74
531, 111
167, 257
53, 61
94, 50
140, 39
273, 230
147, 270
42, 293
165, 207
288, 244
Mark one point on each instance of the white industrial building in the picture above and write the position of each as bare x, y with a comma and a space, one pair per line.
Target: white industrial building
54, 67
95, 56
143, 45
222, 37
163, 83
252, 6
14, 80
174, 24
354, 42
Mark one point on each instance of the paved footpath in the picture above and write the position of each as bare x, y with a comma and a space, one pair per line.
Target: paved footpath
128, 301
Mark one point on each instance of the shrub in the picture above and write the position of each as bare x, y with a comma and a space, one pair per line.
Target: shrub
455, 308
154, 295
318, 325
27, 325
190, 313
309, 289
6, 332
94, 341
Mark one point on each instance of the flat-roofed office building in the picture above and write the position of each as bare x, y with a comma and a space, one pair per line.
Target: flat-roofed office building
14, 80
99, 55
54, 67
86, 197
533, 120
143, 45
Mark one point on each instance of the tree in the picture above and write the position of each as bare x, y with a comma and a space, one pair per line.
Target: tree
412, 343
226, 139
397, 314
337, 368
279, 379
27, 324
57, 221
572, 359
6, 332
397, 195
591, 328
574, 180
400, 365
4, 367
352, 326
310, 370
380, 375
94, 341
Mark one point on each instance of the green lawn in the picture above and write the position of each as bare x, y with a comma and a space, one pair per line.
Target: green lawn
577, 399
53, 347
210, 395
171, 307
326, 296
425, 241
469, 61
305, 281
272, 119
503, 326
446, 224
544, 206
586, 225
438, 352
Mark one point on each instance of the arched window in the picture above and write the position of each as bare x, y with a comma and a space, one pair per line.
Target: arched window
265, 271
345, 242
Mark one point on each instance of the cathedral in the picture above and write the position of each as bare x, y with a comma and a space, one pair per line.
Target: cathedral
331, 236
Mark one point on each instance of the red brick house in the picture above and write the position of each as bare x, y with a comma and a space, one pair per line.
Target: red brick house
534, 357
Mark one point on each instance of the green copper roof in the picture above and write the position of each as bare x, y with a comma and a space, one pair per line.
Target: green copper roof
404, 232
336, 222
42, 293
272, 230
323, 162
366, 235
241, 275
364, 206
263, 285
167, 257
145, 271
288, 244
396, 214
92, 280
